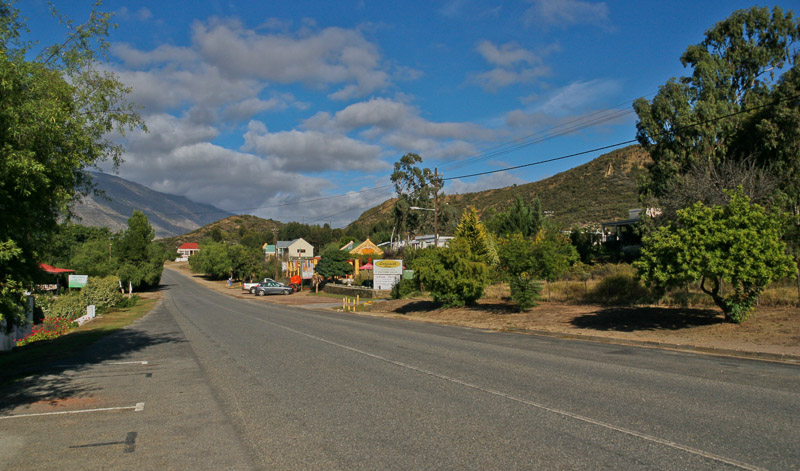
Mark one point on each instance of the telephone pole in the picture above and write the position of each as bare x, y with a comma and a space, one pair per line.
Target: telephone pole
435, 207
275, 236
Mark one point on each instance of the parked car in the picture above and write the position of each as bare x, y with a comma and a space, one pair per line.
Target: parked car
272, 287
252, 286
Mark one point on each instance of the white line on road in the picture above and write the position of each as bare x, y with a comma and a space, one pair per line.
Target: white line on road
137, 408
127, 363
564, 413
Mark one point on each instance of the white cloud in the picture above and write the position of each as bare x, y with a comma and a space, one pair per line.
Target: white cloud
486, 182
513, 64
566, 12
329, 56
166, 133
575, 104
312, 151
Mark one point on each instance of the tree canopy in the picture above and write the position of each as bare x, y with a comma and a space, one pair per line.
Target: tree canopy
738, 243
58, 111
741, 101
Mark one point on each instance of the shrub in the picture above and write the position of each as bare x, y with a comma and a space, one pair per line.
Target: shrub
453, 275
68, 306
405, 289
127, 302
103, 292
621, 289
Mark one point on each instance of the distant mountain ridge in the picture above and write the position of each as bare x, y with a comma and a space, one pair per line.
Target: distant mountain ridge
603, 189
170, 215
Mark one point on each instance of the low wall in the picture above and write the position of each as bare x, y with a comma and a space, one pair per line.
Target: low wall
356, 291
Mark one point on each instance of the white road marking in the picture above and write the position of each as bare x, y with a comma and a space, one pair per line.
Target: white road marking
127, 363
137, 408
564, 413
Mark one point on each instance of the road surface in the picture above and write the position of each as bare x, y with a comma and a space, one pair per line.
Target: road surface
246, 384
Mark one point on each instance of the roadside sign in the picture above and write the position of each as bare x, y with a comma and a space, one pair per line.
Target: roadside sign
386, 273
78, 281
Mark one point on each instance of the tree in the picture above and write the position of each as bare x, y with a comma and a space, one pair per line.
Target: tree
334, 263
735, 90
140, 260
478, 239
213, 259
553, 255
58, 111
414, 187
520, 217
518, 264
738, 244
453, 275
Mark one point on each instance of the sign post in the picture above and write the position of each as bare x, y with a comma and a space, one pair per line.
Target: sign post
77, 281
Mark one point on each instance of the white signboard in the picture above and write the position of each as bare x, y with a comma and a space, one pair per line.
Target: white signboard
386, 273
77, 281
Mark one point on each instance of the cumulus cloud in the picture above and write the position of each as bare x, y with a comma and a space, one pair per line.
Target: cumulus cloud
329, 56
513, 64
566, 13
312, 151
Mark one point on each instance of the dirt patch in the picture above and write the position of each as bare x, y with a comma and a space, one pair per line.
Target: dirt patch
774, 330
770, 330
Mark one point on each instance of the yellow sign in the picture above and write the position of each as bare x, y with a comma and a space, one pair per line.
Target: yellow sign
387, 263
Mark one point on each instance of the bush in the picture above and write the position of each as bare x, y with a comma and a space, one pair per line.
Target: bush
127, 302
453, 275
104, 292
68, 306
621, 289
405, 289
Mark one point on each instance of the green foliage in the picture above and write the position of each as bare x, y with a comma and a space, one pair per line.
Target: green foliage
414, 187
213, 260
140, 261
477, 238
553, 253
58, 112
733, 69
739, 244
104, 292
521, 217
587, 242
405, 289
454, 275
620, 287
333, 263
518, 264
68, 306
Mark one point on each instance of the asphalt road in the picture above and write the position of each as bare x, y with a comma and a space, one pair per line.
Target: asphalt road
246, 384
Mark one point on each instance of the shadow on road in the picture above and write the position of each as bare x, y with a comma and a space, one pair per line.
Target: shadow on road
26, 384
647, 318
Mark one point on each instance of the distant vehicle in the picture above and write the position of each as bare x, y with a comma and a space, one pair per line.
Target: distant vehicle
252, 286
272, 287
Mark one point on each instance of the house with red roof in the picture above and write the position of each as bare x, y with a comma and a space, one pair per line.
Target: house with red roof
186, 250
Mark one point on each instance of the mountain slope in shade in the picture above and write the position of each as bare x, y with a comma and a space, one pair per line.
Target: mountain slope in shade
169, 215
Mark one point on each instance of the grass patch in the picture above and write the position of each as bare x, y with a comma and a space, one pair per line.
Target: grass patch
35, 356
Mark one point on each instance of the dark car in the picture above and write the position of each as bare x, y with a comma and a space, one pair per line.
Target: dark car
266, 280
272, 287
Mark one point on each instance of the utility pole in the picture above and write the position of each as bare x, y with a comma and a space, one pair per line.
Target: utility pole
275, 236
435, 207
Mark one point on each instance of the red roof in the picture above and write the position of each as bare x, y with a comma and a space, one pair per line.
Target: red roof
53, 270
189, 245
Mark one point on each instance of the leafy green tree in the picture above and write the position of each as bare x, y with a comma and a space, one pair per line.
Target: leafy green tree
474, 233
521, 217
333, 262
553, 255
414, 187
453, 275
58, 111
213, 259
519, 267
247, 262
140, 260
738, 244
702, 120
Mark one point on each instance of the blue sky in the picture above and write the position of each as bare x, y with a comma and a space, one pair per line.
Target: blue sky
297, 111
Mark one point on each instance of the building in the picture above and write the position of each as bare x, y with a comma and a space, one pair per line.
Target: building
186, 250
363, 248
269, 250
294, 249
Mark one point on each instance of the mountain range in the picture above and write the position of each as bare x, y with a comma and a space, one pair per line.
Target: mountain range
604, 189
116, 198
